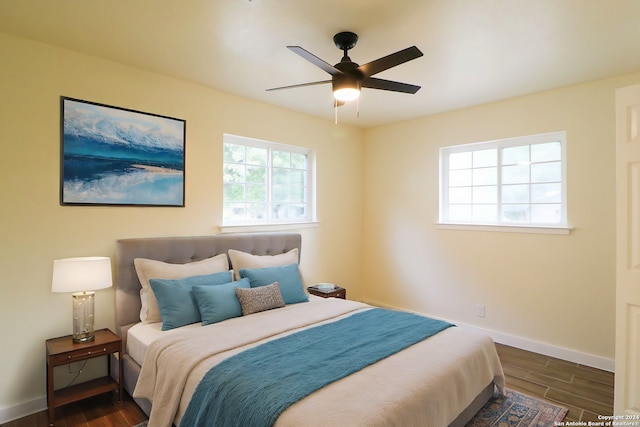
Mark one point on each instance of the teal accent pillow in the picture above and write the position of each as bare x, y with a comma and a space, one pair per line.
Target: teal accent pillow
218, 303
287, 276
176, 302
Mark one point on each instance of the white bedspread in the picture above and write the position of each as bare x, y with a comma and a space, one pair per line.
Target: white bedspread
428, 384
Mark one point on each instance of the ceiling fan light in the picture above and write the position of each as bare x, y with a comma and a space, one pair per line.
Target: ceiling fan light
346, 94
345, 88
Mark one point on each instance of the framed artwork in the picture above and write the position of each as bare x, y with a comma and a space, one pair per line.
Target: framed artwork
116, 156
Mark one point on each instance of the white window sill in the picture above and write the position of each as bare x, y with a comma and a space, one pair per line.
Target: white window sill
253, 228
506, 228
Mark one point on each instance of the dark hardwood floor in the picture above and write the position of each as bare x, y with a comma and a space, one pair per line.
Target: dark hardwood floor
99, 411
587, 392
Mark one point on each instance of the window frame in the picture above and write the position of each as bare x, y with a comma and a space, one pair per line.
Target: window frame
270, 222
534, 227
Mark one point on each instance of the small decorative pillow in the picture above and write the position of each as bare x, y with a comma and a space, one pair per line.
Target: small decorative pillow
218, 303
287, 276
241, 260
153, 269
255, 300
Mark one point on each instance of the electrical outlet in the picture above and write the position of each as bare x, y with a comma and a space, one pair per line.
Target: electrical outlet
479, 310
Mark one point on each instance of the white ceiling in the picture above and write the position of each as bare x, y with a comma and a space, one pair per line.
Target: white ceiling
475, 51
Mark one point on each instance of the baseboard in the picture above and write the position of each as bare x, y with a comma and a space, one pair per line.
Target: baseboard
530, 345
23, 409
546, 349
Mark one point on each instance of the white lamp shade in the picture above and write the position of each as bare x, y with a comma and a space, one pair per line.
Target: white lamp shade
81, 274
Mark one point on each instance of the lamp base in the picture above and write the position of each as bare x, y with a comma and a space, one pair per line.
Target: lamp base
83, 317
86, 337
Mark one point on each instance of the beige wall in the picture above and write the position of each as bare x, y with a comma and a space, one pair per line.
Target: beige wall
552, 289
35, 229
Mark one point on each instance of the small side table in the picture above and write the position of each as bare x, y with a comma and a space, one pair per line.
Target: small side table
336, 292
62, 351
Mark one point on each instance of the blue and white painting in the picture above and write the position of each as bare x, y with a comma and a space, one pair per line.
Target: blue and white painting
113, 156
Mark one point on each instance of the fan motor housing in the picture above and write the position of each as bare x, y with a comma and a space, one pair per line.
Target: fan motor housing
349, 67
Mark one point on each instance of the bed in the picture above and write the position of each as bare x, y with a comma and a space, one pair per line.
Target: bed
439, 381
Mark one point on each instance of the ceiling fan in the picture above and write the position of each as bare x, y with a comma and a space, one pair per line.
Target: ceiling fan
347, 77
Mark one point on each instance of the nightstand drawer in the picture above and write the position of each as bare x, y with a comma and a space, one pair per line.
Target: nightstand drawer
85, 353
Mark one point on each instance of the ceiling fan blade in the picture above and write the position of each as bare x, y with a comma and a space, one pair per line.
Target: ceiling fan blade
374, 83
300, 85
315, 60
389, 61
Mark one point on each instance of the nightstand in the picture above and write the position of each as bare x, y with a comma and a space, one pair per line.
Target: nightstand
62, 351
336, 292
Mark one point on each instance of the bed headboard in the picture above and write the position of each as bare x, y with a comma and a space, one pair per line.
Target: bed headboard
180, 250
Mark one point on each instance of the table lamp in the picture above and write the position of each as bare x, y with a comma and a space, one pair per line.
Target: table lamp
82, 276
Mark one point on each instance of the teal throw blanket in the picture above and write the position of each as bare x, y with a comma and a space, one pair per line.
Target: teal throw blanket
254, 387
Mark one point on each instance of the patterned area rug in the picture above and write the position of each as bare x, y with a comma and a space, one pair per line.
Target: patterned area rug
518, 410
511, 410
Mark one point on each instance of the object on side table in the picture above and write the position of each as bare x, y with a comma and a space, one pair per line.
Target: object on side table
327, 290
82, 276
62, 351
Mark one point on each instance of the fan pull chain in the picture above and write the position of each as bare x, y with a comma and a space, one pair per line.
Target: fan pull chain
358, 101
335, 109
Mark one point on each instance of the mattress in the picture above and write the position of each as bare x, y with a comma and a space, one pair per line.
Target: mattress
140, 337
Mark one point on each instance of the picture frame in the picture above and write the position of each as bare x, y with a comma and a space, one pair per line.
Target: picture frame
120, 157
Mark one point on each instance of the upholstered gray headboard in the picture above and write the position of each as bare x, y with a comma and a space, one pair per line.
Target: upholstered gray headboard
180, 250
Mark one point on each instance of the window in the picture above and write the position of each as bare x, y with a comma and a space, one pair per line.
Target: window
266, 182
514, 182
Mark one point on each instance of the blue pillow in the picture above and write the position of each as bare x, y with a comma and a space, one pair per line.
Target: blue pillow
176, 302
218, 303
287, 276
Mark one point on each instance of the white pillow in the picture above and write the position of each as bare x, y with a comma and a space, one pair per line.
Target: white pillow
241, 260
152, 269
